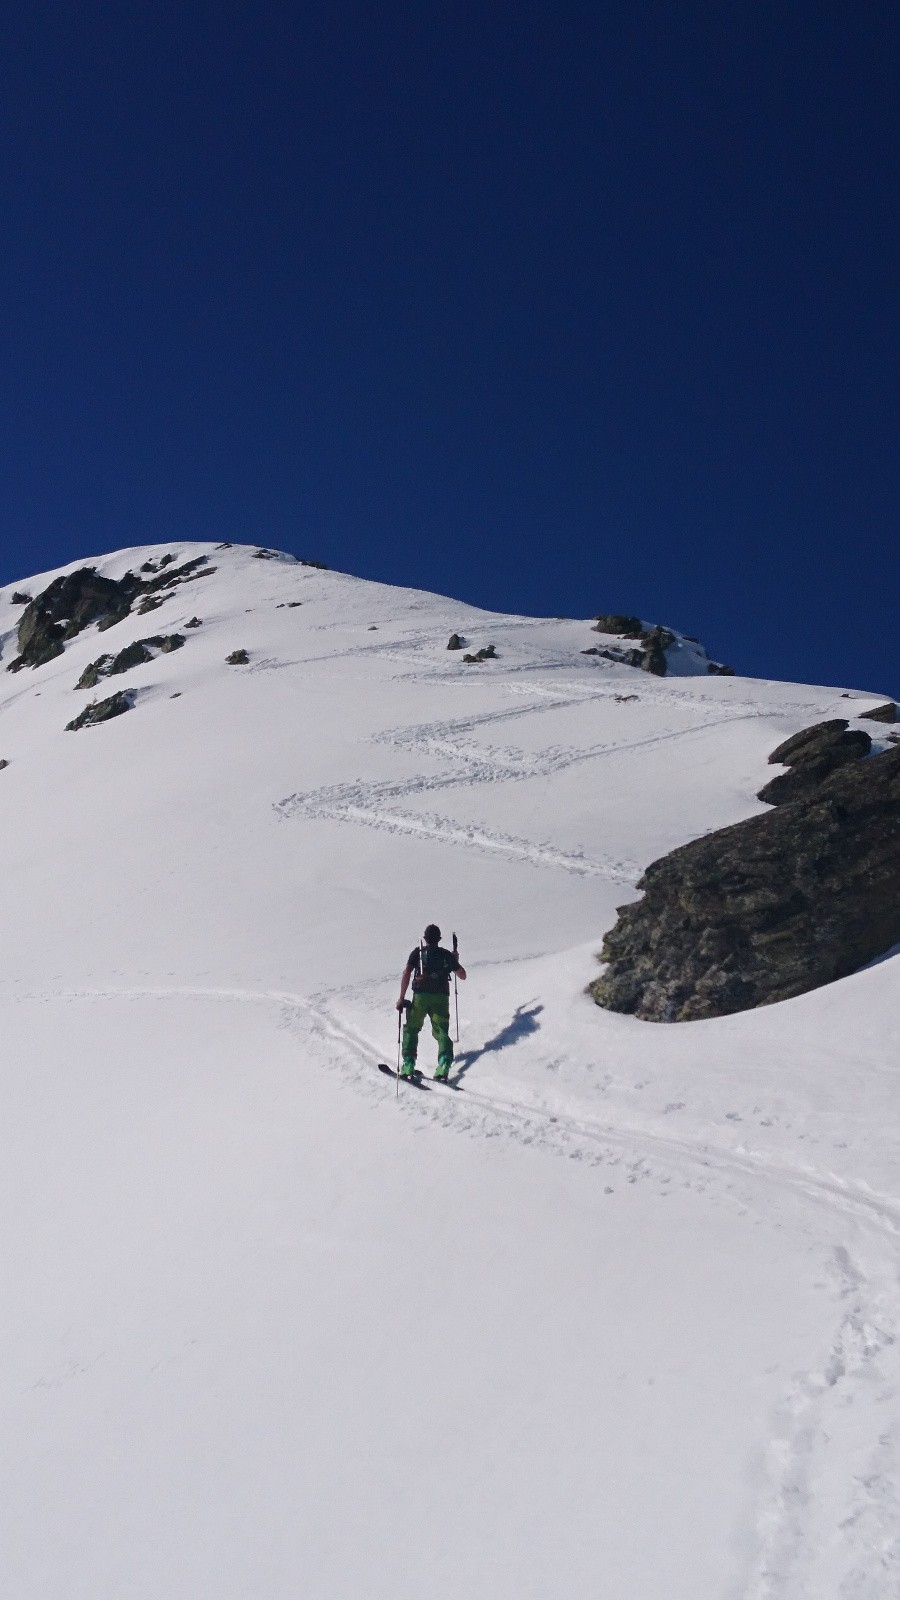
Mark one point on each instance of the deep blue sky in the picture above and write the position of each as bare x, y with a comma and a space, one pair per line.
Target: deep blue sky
556, 307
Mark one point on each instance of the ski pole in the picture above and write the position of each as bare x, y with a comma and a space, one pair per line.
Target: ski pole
456, 992
399, 1032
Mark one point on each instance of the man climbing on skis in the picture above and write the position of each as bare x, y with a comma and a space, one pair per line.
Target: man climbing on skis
430, 968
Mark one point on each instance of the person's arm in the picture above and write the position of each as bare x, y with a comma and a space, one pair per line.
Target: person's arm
404, 985
459, 969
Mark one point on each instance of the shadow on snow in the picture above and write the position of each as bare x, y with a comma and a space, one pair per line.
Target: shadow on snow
521, 1024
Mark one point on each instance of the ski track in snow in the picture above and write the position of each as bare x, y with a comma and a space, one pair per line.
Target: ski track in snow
793, 1483
373, 804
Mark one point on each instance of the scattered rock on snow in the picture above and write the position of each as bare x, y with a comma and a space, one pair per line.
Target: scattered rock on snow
767, 909
133, 655
195, 622
487, 652
78, 599
885, 713
20, 598
455, 642
102, 710
3, 763
238, 658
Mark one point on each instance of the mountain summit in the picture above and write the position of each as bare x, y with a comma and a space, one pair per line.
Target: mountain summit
624, 1306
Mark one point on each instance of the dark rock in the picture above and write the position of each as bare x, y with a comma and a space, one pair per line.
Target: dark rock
625, 658
653, 661
20, 598
133, 655
94, 671
188, 572
809, 742
488, 652
151, 602
69, 604
149, 566
810, 756
238, 658
3, 763
653, 655
226, 546
657, 637
78, 599
718, 670
805, 780
615, 622
455, 642
885, 713
102, 710
767, 909
195, 622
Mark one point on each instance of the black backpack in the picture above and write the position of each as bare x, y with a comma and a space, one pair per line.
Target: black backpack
434, 963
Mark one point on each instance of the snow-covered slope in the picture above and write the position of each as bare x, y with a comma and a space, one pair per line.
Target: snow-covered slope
617, 1320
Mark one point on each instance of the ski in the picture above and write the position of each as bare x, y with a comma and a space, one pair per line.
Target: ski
415, 1079
418, 1081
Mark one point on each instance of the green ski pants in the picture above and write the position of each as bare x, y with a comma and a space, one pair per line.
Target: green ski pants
437, 1007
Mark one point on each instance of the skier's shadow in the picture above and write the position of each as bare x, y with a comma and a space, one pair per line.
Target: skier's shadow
523, 1021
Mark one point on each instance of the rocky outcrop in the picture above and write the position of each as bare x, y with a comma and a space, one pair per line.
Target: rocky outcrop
102, 711
653, 656
649, 652
238, 658
767, 909
487, 652
625, 627
885, 713
810, 755
133, 655
455, 642
652, 659
65, 607
79, 599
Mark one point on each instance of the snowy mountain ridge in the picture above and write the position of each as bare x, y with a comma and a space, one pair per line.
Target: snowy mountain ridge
623, 1308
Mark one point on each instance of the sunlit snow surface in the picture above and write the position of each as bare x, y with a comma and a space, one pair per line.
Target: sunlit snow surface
616, 1322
